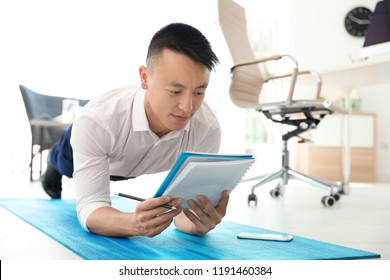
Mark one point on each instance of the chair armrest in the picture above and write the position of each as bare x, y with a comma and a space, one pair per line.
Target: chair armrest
319, 80
265, 59
257, 61
306, 72
293, 74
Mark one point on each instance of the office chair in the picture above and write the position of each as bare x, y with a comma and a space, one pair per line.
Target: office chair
246, 85
43, 107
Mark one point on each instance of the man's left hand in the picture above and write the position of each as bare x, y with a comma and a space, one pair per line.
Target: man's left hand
202, 217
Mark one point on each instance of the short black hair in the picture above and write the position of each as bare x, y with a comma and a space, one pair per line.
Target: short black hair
184, 39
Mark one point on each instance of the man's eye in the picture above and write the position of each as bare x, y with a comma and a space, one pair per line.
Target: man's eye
199, 92
175, 91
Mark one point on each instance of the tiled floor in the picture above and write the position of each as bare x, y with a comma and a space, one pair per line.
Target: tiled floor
360, 219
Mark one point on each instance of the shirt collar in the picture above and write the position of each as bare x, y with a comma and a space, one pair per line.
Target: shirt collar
140, 121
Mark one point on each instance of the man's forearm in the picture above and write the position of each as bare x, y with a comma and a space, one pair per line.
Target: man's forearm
111, 222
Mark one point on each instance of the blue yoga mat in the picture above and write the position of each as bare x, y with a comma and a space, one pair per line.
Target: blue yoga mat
57, 219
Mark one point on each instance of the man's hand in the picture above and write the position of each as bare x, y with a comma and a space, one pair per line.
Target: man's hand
203, 217
149, 219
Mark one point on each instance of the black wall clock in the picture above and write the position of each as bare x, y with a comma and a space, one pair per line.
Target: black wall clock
357, 20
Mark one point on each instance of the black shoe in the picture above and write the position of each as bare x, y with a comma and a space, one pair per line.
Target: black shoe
52, 182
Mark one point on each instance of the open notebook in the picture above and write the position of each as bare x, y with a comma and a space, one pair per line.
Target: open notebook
204, 173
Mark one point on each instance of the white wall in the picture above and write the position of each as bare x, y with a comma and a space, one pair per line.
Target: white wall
318, 37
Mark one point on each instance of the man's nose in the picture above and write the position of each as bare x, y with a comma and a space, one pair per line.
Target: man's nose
185, 103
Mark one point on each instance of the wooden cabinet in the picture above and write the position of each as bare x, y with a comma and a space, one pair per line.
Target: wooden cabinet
324, 157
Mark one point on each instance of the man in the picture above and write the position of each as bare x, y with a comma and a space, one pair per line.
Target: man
139, 130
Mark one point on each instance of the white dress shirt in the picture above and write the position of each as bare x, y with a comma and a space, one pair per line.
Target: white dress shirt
111, 137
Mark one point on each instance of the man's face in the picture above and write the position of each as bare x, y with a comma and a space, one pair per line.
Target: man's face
175, 88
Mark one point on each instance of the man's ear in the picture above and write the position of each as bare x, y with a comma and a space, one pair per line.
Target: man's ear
143, 74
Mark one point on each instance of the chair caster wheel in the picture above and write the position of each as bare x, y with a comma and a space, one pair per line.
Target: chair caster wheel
328, 200
336, 196
275, 192
252, 197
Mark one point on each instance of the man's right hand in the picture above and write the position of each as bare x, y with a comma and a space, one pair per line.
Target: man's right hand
149, 219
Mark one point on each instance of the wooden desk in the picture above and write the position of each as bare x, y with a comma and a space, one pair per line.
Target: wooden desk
372, 71
323, 157
42, 124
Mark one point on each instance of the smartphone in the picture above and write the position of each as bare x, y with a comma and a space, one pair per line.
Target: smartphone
265, 236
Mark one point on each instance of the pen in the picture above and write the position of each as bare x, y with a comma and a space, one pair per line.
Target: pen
142, 199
